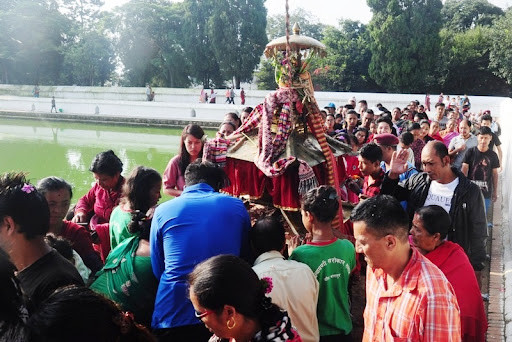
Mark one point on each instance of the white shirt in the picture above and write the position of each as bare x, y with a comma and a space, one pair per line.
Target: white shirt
295, 289
441, 194
410, 159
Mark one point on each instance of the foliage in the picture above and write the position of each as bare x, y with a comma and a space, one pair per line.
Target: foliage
33, 33
501, 48
84, 13
464, 63
197, 43
348, 57
461, 15
237, 31
265, 75
409, 45
89, 61
309, 25
149, 43
404, 40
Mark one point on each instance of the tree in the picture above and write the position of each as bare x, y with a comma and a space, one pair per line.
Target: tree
464, 63
33, 34
404, 43
84, 13
461, 15
237, 31
149, 43
501, 48
8, 45
89, 61
265, 75
347, 61
198, 44
309, 25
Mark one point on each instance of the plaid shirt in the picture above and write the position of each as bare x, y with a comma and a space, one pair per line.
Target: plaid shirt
373, 190
420, 306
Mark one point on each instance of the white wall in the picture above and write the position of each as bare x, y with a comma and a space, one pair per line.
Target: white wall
178, 102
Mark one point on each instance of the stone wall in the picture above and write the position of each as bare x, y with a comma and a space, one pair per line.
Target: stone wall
179, 102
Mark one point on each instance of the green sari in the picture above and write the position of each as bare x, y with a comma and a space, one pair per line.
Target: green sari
128, 280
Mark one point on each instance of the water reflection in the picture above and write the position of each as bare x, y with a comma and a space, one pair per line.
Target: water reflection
74, 158
66, 149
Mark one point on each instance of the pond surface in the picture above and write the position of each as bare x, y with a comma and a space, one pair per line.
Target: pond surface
47, 148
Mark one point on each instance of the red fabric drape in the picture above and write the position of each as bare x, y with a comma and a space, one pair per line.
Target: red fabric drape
247, 179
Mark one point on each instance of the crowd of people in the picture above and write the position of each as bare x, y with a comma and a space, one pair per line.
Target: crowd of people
118, 266
205, 97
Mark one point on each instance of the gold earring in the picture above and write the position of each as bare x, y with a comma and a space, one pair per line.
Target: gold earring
231, 326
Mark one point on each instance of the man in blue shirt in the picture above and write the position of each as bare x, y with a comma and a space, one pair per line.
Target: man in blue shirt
199, 224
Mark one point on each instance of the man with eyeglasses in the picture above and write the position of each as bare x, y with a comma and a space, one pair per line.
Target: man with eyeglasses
442, 185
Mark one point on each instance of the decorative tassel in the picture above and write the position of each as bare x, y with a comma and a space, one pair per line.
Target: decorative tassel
307, 178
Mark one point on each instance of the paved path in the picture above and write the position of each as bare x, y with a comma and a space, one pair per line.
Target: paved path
500, 278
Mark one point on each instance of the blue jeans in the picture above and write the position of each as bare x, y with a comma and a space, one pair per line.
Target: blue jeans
488, 203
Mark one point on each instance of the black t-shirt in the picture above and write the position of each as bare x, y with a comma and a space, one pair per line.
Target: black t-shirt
47, 274
494, 141
481, 165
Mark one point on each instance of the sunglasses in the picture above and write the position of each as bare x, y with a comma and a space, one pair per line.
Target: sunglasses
202, 314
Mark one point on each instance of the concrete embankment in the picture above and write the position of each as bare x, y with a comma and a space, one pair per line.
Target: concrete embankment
110, 119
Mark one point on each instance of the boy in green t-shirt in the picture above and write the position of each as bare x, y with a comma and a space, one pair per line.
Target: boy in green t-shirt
331, 260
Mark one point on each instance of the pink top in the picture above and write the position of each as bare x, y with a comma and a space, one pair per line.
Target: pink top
448, 137
172, 177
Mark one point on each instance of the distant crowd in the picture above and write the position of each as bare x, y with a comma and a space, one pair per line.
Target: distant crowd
116, 266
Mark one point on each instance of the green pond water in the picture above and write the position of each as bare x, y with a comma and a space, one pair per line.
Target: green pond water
63, 149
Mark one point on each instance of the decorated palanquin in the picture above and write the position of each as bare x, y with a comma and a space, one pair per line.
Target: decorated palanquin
281, 150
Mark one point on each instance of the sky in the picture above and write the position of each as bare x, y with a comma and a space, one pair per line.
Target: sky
327, 11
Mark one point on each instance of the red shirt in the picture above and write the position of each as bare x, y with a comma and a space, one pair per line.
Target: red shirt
420, 306
373, 189
100, 201
81, 242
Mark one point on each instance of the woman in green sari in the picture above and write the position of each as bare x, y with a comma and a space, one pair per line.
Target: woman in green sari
127, 277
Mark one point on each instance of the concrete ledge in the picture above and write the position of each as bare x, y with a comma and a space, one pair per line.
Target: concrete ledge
118, 120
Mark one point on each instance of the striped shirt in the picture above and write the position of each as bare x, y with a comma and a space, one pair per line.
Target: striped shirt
420, 306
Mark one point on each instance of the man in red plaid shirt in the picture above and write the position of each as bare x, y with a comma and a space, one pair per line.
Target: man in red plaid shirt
407, 297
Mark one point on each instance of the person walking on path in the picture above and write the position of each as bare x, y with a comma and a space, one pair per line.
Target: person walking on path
407, 297
242, 96
148, 92
228, 94
232, 96
53, 105
442, 185
213, 96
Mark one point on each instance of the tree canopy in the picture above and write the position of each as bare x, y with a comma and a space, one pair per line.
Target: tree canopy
404, 43
410, 46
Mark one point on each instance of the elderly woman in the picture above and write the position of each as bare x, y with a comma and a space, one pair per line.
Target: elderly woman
430, 226
450, 132
434, 131
58, 194
230, 300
